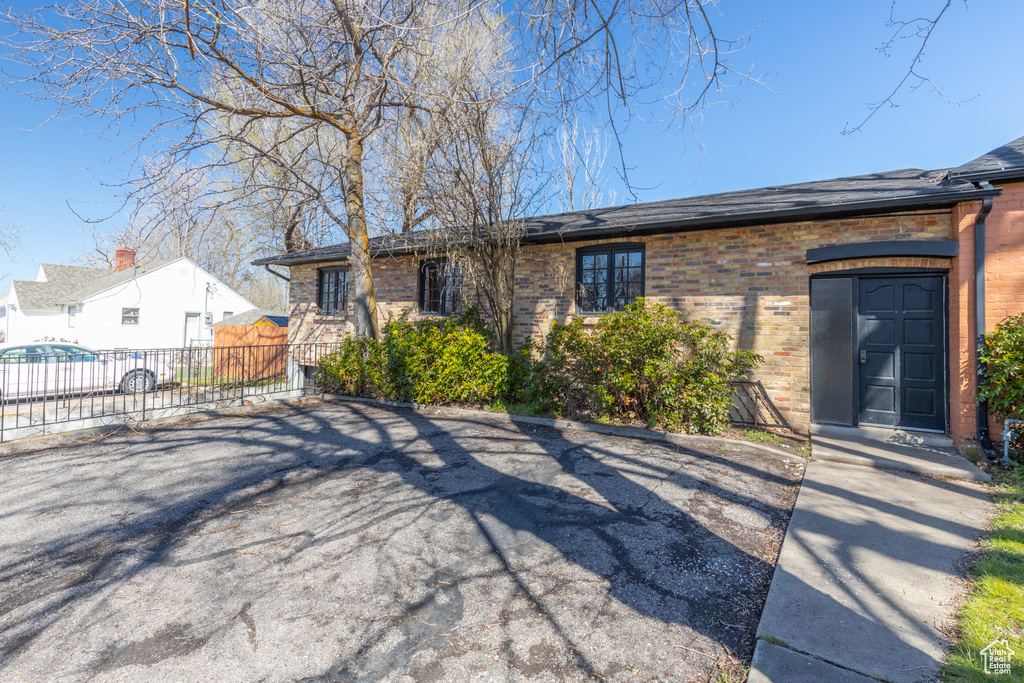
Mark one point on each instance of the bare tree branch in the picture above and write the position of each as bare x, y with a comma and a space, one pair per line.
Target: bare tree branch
10, 234
918, 29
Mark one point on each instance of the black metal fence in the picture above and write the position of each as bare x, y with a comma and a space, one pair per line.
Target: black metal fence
49, 387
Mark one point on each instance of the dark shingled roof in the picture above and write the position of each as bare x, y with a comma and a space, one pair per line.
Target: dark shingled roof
873, 193
1001, 163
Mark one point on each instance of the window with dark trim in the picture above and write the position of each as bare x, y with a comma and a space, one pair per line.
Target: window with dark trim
440, 287
609, 277
129, 316
332, 291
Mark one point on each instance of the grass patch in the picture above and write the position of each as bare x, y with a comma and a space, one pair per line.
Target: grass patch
799, 446
529, 409
775, 641
995, 609
762, 437
732, 671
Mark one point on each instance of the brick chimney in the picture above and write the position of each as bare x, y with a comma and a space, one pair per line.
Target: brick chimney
124, 259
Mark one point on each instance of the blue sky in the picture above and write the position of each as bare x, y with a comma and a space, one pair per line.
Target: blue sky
823, 64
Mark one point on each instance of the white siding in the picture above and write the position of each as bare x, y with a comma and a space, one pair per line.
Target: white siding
163, 297
26, 326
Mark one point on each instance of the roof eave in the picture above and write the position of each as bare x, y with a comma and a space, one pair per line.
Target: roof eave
719, 222
770, 217
978, 176
283, 260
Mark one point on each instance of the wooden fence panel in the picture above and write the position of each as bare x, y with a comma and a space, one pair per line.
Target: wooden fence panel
249, 353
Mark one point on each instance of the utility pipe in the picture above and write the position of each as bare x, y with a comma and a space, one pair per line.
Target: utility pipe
276, 274
979, 313
1007, 433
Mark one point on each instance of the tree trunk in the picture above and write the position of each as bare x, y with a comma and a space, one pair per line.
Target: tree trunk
499, 267
294, 240
360, 272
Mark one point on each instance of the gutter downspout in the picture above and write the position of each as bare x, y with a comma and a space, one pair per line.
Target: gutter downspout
979, 313
275, 273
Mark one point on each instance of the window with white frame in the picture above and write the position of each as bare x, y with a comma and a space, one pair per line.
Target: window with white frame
129, 316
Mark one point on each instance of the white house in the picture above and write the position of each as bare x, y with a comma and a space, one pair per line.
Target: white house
172, 303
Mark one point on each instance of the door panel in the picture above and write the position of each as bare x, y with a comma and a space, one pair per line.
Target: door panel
833, 351
192, 328
901, 335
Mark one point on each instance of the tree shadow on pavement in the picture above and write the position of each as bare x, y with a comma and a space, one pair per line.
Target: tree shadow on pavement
655, 526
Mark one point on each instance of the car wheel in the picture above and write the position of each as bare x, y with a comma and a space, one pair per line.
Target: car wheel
136, 382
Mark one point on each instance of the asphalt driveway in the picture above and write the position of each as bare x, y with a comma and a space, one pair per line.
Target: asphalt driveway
321, 541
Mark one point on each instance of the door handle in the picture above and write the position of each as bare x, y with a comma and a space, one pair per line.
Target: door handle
863, 356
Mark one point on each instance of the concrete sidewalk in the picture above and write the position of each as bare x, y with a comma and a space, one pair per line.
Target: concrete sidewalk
930, 461
867, 576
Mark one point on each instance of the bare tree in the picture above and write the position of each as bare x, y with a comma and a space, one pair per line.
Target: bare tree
481, 187
579, 157
919, 31
184, 213
617, 61
10, 234
341, 65
334, 75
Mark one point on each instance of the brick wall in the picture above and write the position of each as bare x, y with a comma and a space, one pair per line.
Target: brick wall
395, 282
1004, 295
751, 282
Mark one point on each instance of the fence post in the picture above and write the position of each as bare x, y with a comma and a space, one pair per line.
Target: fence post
145, 383
241, 383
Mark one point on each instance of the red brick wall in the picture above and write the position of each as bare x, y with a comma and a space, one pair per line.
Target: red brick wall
751, 282
1004, 256
1004, 295
962, 419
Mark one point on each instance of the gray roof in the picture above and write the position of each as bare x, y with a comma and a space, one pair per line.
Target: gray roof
61, 283
249, 318
72, 284
873, 193
1003, 162
110, 279
58, 272
34, 296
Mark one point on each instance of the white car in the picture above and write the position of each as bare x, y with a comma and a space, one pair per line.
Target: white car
57, 369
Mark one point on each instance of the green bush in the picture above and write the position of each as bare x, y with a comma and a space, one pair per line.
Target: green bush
356, 369
1003, 356
434, 360
644, 363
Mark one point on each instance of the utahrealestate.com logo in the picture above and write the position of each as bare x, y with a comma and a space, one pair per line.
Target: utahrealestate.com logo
997, 657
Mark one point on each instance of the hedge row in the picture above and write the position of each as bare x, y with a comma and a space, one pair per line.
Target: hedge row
643, 364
